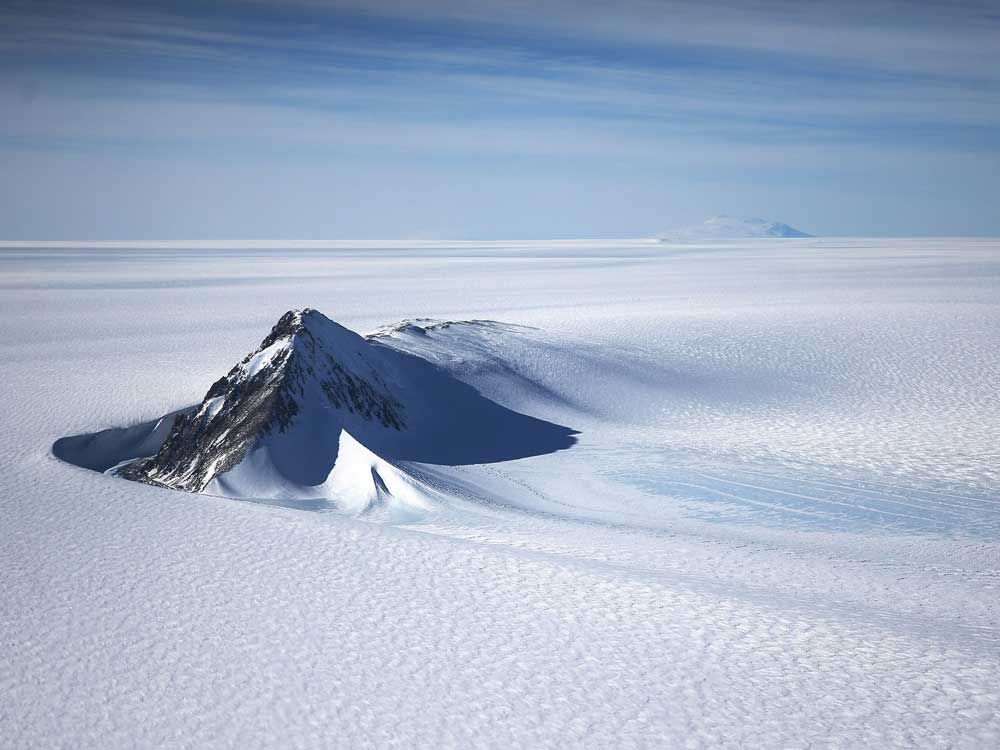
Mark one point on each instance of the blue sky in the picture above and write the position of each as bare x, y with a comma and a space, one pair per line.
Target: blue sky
311, 119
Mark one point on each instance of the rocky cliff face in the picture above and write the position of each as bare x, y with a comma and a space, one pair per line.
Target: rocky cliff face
306, 366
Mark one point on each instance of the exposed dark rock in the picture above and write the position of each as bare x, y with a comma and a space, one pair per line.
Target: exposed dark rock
305, 354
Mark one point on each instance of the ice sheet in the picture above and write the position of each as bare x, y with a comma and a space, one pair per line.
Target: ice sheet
778, 526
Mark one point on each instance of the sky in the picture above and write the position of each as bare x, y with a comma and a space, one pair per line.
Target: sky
444, 119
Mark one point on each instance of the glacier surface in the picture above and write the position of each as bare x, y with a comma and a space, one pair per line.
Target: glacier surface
779, 525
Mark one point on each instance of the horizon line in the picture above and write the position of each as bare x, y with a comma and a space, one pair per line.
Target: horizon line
277, 243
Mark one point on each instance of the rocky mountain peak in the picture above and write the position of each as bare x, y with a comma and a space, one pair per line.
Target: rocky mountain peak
317, 411
307, 365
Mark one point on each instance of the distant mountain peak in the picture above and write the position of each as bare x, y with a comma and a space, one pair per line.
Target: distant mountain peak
724, 227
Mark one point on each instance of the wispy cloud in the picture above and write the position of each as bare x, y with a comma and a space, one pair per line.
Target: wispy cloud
699, 87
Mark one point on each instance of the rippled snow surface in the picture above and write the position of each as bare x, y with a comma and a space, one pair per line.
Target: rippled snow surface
780, 525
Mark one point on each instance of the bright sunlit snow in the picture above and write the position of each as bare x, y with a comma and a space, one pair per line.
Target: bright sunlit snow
748, 496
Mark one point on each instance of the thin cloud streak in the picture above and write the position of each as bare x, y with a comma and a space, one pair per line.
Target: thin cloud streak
699, 91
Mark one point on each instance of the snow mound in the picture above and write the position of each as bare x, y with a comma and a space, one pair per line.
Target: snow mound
359, 484
320, 415
731, 228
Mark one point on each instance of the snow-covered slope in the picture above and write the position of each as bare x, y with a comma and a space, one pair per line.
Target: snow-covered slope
732, 228
359, 483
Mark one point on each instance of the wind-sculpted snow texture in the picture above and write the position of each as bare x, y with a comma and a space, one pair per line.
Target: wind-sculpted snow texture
778, 526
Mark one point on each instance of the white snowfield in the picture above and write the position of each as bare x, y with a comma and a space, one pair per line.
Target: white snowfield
779, 527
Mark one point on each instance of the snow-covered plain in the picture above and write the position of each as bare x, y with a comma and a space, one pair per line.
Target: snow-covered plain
780, 525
